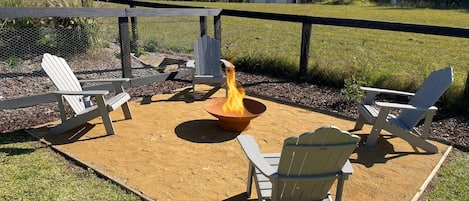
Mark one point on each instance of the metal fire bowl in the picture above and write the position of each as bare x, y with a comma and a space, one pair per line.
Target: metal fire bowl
231, 121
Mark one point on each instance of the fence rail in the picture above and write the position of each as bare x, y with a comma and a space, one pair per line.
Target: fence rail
18, 12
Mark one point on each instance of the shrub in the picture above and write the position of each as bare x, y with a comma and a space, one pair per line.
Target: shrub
151, 45
352, 88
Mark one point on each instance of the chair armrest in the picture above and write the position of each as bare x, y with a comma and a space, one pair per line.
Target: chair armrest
84, 93
251, 149
404, 106
106, 80
347, 169
386, 91
371, 93
190, 64
226, 63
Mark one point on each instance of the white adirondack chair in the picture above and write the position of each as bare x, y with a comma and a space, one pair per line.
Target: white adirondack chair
404, 123
69, 88
208, 63
305, 169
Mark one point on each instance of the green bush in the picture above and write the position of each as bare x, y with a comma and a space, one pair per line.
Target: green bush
352, 88
151, 45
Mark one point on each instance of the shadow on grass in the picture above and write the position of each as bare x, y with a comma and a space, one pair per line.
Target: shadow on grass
13, 138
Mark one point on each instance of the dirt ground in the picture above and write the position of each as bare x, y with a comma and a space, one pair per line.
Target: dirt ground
173, 150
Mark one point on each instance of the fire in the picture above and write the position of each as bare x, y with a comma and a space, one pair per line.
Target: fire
234, 101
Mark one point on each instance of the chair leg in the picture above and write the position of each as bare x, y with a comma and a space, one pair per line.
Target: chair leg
359, 123
373, 136
126, 109
340, 188
193, 89
105, 116
377, 126
108, 124
226, 89
250, 175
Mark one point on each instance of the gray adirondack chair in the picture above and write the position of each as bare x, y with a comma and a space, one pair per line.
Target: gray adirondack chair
207, 62
404, 123
305, 169
69, 88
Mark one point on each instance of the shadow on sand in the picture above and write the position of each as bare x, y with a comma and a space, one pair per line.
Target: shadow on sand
203, 131
381, 153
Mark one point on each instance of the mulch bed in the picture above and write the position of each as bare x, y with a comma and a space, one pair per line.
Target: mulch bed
447, 125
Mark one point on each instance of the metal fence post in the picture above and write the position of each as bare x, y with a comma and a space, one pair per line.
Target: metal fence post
133, 22
124, 40
217, 27
203, 25
305, 41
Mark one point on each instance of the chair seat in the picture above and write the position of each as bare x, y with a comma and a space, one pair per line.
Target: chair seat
117, 100
369, 112
209, 79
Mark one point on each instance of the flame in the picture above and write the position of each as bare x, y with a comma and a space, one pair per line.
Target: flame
234, 101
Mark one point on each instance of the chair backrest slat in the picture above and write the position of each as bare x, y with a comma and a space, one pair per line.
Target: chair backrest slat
207, 56
426, 96
64, 79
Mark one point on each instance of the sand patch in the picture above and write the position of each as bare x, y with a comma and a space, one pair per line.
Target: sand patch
173, 150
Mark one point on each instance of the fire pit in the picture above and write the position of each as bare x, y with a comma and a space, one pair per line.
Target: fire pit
232, 121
